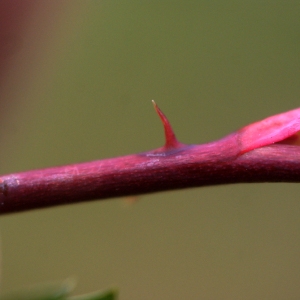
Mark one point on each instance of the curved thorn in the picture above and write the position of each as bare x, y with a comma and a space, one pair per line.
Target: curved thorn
170, 138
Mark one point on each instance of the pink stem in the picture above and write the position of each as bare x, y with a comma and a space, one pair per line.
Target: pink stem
174, 166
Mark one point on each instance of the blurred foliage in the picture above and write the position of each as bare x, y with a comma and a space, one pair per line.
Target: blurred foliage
57, 292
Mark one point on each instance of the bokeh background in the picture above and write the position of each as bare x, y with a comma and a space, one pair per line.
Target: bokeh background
76, 85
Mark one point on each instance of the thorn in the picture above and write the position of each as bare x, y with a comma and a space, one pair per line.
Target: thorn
171, 141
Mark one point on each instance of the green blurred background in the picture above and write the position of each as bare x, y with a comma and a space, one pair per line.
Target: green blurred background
80, 88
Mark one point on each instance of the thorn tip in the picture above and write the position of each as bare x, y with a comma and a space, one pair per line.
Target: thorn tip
170, 138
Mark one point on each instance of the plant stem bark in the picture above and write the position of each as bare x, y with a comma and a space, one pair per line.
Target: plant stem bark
174, 166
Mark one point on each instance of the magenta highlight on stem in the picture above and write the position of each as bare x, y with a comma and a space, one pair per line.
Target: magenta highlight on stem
265, 151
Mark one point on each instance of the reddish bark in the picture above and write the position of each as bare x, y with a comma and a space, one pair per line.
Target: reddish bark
243, 156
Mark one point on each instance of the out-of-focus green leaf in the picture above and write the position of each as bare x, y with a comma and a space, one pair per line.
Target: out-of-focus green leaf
41, 292
57, 292
106, 295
